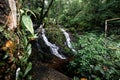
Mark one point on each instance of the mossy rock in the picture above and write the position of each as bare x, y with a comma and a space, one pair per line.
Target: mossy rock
56, 36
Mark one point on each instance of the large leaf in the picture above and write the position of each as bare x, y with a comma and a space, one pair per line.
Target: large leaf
27, 23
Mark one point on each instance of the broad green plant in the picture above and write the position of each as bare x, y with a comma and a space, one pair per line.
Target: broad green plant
25, 34
23, 63
94, 60
27, 24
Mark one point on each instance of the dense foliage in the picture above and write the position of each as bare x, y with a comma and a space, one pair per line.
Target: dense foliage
94, 59
85, 14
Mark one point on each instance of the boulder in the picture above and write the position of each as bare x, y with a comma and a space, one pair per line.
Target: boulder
42, 72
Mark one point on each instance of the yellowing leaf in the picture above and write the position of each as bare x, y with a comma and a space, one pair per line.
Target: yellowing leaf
83, 79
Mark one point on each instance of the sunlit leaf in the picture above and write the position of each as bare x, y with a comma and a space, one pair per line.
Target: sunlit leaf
23, 60
27, 23
29, 49
22, 11
1, 29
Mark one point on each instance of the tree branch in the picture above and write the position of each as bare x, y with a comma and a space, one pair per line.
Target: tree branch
43, 15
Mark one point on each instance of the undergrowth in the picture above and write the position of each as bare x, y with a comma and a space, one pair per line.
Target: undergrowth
95, 60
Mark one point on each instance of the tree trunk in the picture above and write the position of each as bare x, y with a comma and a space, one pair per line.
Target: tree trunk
8, 23
8, 14
4, 11
43, 14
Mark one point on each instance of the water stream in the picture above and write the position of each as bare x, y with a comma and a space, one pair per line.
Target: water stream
68, 40
17, 73
54, 49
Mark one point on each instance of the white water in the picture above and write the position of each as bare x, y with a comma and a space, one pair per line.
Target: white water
68, 40
54, 49
17, 73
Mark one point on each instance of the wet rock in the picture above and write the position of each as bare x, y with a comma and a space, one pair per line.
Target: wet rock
42, 72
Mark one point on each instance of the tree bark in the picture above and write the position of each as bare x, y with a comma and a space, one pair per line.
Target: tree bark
8, 40
4, 11
8, 14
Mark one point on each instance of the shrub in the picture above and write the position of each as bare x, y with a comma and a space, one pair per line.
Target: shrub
95, 61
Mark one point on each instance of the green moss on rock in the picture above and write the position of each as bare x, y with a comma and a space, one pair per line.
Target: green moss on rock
56, 36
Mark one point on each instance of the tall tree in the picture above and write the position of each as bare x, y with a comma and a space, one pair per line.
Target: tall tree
8, 38
44, 14
87, 14
8, 13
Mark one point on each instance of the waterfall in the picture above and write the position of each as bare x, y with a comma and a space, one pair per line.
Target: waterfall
17, 73
68, 40
54, 49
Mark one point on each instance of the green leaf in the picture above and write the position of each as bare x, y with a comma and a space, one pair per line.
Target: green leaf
29, 77
24, 39
98, 78
22, 11
2, 63
32, 36
29, 67
97, 68
27, 23
1, 28
29, 49
75, 78
23, 60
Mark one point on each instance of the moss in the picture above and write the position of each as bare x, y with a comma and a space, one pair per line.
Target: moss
72, 30
56, 36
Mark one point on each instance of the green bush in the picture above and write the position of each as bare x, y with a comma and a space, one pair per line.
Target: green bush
94, 60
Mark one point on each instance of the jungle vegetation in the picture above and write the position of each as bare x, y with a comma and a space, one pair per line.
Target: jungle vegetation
94, 26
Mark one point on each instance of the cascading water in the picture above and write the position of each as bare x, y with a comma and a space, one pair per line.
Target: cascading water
54, 49
68, 40
17, 73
